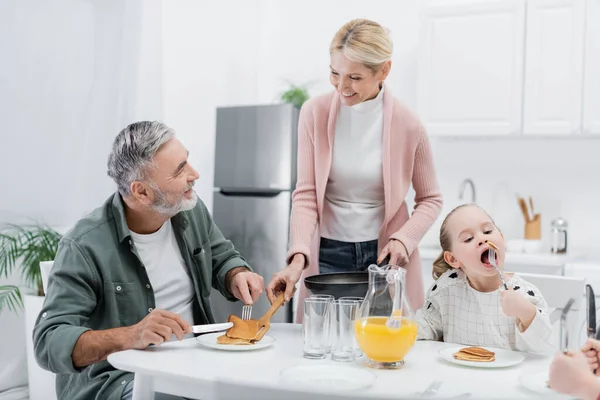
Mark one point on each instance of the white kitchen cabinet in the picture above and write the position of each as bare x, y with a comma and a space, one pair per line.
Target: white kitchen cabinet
554, 67
471, 68
591, 86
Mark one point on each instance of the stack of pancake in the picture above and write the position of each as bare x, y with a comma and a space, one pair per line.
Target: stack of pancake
243, 332
476, 354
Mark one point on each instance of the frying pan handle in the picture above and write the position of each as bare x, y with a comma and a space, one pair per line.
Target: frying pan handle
385, 261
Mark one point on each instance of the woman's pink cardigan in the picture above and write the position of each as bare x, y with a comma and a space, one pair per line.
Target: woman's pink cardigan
406, 158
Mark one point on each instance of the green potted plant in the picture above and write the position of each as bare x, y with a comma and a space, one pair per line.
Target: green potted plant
24, 247
296, 95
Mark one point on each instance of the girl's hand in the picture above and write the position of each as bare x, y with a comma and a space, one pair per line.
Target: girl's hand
516, 306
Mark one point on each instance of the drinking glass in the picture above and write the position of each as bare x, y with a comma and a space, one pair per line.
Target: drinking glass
344, 315
315, 325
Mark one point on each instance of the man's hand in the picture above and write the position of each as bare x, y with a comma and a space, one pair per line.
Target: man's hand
245, 285
157, 327
396, 251
285, 280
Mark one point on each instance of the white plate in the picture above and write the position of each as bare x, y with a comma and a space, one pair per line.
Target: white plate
504, 358
537, 383
328, 377
210, 340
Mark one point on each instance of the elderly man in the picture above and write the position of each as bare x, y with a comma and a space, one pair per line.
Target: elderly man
136, 271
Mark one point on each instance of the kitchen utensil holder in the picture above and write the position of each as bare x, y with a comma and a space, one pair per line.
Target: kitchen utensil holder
533, 228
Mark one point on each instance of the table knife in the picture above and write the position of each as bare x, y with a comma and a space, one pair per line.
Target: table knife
591, 311
211, 327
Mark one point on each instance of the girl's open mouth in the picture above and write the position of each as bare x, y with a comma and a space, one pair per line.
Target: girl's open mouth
485, 258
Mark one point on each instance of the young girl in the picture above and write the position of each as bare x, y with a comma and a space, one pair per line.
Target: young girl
468, 304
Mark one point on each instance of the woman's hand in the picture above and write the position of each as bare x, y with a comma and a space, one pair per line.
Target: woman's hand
396, 251
286, 279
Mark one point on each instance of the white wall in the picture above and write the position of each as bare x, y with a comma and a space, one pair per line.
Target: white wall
73, 73
210, 52
296, 36
70, 82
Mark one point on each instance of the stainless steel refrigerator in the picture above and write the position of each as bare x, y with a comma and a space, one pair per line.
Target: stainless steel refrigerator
255, 174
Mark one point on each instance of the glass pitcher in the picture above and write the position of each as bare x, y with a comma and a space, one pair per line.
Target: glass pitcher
385, 328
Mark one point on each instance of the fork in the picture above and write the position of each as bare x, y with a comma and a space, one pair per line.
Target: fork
246, 312
431, 389
563, 325
492, 259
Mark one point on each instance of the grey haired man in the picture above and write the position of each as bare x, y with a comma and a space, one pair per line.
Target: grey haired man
136, 271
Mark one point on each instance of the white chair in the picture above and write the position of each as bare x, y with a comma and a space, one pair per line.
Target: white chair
557, 291
45, 267
41, 382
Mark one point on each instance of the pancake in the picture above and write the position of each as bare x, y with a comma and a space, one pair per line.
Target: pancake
242, 329
224, 339
469, 357
475, 354
477, 351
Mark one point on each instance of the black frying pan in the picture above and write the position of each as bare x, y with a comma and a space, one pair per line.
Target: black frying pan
339, 284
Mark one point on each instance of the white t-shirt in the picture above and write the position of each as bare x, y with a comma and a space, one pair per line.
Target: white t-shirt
172, 285
455, 312
354, 199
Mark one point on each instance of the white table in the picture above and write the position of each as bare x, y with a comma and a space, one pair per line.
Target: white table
188, 369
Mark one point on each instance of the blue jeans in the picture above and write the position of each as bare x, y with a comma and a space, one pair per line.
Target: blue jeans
337, 256
128, 393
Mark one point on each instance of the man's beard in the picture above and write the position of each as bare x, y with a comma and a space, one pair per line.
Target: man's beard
164, 207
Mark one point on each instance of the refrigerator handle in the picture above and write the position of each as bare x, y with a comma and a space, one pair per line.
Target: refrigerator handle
250, 192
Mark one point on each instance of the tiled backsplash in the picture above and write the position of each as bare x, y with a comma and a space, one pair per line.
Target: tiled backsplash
562, 176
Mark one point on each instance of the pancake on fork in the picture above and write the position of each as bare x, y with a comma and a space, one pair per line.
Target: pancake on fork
243, 332
242, 329
476, 354
492, 245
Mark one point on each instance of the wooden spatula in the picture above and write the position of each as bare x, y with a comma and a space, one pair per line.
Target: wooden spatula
524, 210
264, 322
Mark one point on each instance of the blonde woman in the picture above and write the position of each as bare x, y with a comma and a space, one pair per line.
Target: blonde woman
359, 151
468, 304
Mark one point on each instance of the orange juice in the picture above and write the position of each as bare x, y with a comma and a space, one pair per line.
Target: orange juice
381, 343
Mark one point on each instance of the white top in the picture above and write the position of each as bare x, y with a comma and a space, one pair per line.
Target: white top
173, 287
353, 210
455, 312
220, 374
